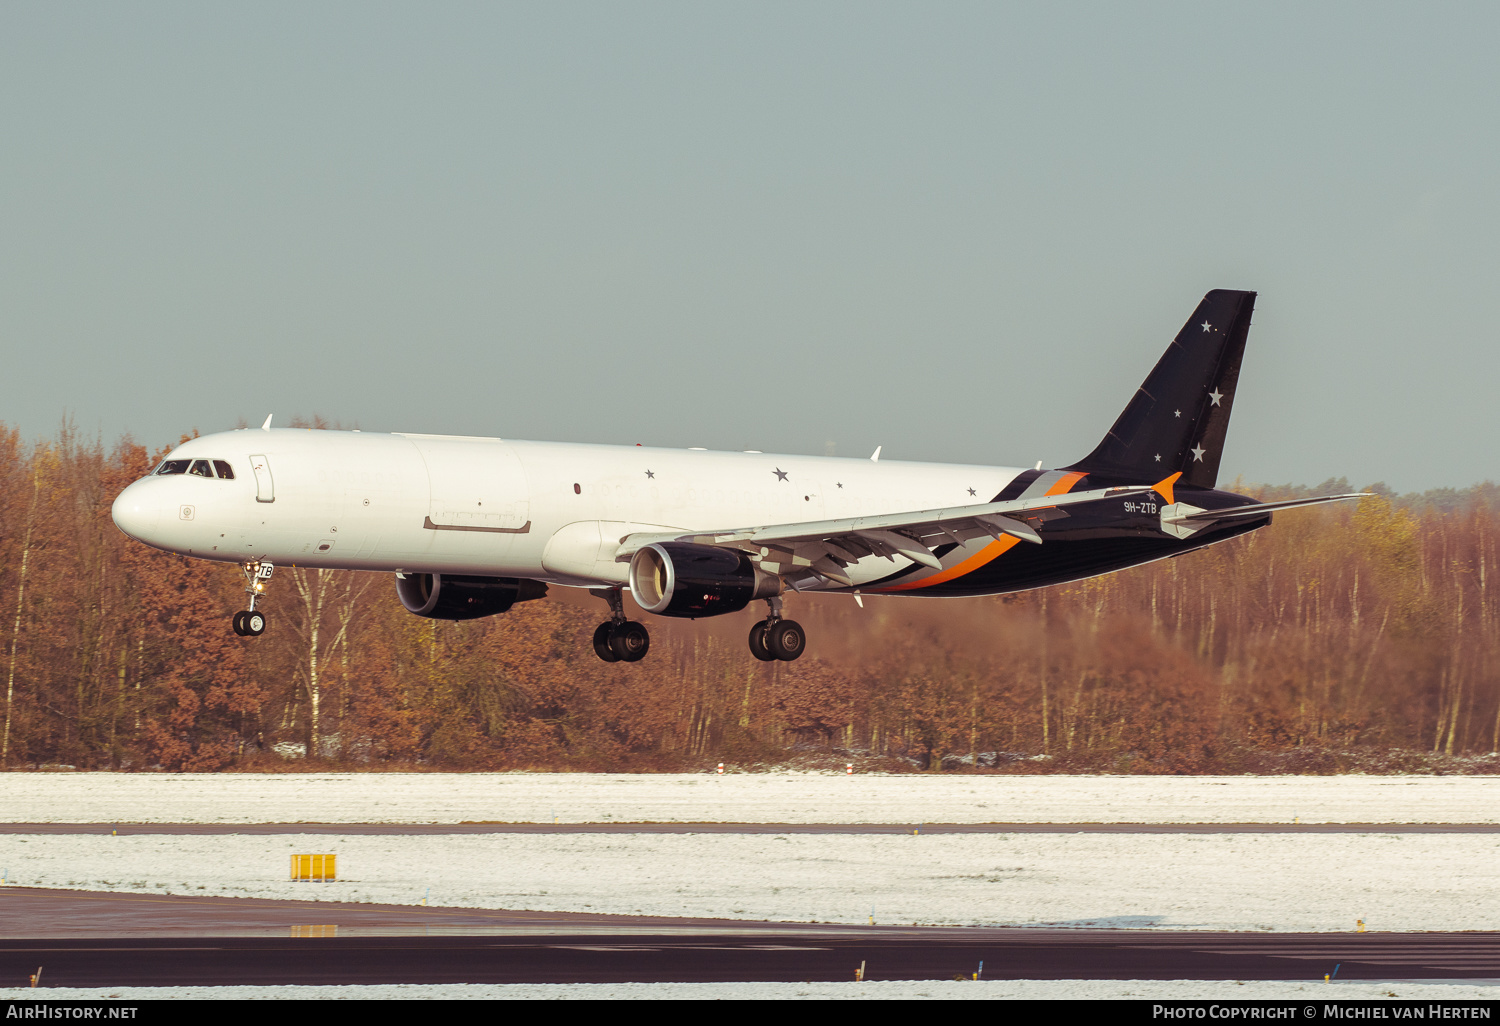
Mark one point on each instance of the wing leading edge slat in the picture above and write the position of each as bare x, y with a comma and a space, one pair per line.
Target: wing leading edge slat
982, 518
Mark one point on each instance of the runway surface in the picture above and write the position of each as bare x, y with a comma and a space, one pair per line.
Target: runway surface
93, 939
37, 913
377, 829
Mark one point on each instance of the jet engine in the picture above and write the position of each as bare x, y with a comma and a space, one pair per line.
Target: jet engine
683, 579
453, 597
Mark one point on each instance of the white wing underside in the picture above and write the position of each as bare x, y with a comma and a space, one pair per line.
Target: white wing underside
827, 547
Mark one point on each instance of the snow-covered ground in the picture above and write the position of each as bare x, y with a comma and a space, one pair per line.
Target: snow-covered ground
874, 990
1240, 881
736, 797
1315, 882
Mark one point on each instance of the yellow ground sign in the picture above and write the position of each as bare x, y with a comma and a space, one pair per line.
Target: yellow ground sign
313, 867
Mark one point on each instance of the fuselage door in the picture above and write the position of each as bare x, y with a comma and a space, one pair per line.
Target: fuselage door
265, 488
477, 485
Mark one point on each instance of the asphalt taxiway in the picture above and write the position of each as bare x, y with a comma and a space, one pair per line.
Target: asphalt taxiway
99, 939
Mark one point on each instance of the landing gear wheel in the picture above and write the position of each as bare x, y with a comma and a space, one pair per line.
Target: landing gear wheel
601, 642
786, 640
630, 641
249, 623
758, 642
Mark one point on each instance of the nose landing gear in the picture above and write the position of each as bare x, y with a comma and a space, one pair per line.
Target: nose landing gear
618, 639
251, 623
774, 638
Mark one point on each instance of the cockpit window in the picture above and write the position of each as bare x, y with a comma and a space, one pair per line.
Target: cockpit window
198, 468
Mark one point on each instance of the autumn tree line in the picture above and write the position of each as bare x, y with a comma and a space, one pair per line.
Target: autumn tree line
1349, 637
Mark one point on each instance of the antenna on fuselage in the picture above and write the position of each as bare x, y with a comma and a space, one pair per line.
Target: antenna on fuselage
875, 456
267, 425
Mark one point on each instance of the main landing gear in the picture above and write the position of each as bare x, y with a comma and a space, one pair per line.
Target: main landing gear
251, 623
774, 638
618, 639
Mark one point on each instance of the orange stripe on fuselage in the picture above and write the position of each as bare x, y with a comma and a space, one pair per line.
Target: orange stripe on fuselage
974, 562
988, 554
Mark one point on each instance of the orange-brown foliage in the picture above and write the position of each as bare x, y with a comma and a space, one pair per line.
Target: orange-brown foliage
1342, 637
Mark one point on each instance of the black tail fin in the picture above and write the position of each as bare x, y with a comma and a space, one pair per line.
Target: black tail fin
1179, 416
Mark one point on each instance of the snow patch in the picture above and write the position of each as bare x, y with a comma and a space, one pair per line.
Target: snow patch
1258, 882
740, 797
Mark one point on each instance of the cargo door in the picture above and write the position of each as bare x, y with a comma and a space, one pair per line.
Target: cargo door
477, 485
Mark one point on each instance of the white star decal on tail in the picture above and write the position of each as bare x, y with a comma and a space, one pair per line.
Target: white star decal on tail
1198, 454
1205, 326
1215, 396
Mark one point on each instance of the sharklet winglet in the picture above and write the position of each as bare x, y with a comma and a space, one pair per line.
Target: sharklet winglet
1164, 487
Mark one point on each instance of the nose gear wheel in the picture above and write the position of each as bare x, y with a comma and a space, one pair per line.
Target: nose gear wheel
251, 623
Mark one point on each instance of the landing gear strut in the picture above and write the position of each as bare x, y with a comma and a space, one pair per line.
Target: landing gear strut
774, 638
618, 639
251, 623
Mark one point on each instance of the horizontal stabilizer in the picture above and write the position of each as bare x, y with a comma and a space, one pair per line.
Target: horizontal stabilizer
1258, 508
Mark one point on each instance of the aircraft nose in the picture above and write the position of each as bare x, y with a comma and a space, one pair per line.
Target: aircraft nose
136, 513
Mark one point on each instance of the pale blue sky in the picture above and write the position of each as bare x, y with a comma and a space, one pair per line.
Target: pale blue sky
960, 231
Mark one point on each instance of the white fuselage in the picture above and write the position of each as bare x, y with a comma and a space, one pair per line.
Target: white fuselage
548, 511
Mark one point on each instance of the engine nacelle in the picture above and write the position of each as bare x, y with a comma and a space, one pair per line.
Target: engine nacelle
683, 579
455, 597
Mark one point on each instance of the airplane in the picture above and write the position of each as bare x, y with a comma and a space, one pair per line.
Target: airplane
472, 526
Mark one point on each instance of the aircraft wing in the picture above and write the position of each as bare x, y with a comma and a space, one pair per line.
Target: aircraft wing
826, 547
